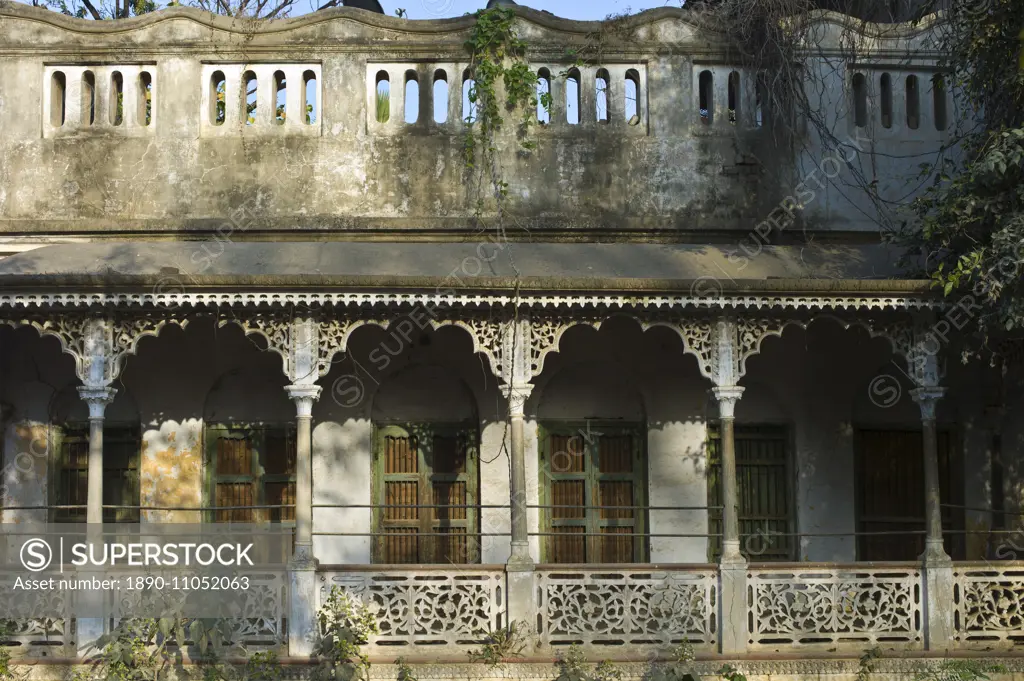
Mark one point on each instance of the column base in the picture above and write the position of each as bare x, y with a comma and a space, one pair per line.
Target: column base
302, 604
732, 605
938, 596
89, 633
522, 603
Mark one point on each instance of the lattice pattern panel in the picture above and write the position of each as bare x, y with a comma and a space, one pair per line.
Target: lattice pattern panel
426, 607
43, 636
262, 623
608, 607
989, 604
832, 606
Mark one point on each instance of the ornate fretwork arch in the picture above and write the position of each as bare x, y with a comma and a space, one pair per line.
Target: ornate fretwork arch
516, 346
99, 345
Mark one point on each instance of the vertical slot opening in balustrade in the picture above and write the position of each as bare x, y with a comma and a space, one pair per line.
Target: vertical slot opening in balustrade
88, 98
218, 86
280, 98
468, 97
440, 96
58, 98
116, 98
544, 96
913, 103
412, 97
939, 101
310, 94
382, 95
601, 96
631, 97
860, 100
734, 96
885, 85
760, 99
145, 97
250, 98
706, 95
572, 96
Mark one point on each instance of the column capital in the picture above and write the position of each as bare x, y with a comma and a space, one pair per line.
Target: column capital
97, 397
727, 396
304, 396
518, 393
927, 399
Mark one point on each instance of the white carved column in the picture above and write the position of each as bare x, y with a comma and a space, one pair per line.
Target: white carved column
725, 373
727, 398
516, 374
922, 360
97, 398
302, 368
520, 554
938, 566
96, 369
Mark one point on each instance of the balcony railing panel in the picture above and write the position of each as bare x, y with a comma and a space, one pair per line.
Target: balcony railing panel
989, 604
45, 636
448, 607
829, 606
627, 605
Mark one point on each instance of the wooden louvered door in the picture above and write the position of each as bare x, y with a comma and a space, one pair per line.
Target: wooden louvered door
763, 481
121, 446
251, 467
890, 494
425, 494
594, 490
233, 474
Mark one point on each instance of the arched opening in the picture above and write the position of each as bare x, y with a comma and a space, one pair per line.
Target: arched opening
250, 447
734, 96
382, 97
250, 102
860, 100
88, 98
280, 98
217, 97
572, 96
592, 446
440, 96
412, 97
116, 107
939, 101
913, 103
706, 95
761, 101
426, 487
469, 96
631, 97
885, 85
310, 95
544, 96
145, 98
58, 98
601, 96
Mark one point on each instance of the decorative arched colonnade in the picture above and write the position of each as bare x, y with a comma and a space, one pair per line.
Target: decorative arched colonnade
310, 332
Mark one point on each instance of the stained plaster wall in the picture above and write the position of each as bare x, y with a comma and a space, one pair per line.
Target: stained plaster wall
670, 175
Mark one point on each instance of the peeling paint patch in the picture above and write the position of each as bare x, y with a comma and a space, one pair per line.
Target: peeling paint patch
171, 471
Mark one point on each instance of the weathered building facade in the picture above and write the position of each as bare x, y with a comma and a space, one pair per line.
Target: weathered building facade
681, 392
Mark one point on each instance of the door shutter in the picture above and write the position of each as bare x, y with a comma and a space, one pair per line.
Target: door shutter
594, 489
233, 474
399, 467
427, 483
891, 495
763, 484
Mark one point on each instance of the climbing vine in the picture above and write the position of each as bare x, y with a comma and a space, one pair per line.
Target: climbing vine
503, 85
